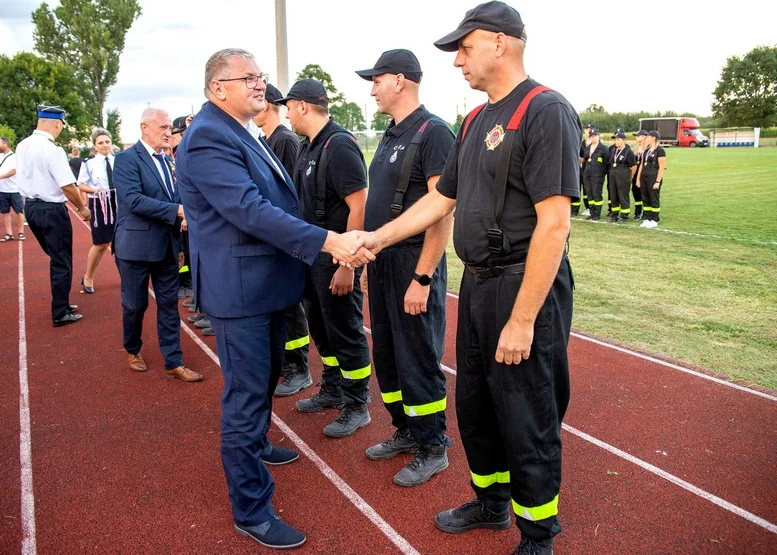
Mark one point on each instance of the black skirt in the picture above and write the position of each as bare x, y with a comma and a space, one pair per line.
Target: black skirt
103, 220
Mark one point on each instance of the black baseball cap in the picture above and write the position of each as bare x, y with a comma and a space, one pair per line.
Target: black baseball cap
395, 62
642, 133
179, 125
307, 90
272, 94
497, 17
593, 131
655, 134
589, 126
619, 134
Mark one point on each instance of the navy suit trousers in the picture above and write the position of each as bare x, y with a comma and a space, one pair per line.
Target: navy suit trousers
134, 302
251, 353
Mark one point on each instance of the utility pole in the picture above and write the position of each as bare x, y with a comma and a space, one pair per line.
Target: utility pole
281, 46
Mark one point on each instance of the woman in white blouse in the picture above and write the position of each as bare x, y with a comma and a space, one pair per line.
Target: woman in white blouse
96, 179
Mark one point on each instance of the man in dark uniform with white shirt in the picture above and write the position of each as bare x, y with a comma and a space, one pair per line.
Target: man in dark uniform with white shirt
408, 282
285, 145
510, 177
46, 181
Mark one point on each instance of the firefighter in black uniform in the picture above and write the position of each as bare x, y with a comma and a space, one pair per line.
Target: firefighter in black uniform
510, 177
651, 178
332, 177
635, 190
285, 144
408, 282
583, 148
597, 160
623, 166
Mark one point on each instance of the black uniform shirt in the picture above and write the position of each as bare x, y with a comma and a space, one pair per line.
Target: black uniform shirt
436, 142
285, 144
623, 158
75, 165
544, 162
599, 160
345, 174
650, 158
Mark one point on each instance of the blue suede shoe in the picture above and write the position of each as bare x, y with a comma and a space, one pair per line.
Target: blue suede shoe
275, 456
274, 533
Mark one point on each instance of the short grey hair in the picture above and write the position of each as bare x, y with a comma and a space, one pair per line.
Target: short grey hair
149, 114
99, 132
6, 141
217, 66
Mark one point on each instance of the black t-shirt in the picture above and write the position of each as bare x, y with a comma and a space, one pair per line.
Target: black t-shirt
346, 173
596, 162
650, 158
75, 166
544, 162
285, 144
622, 158
436, 142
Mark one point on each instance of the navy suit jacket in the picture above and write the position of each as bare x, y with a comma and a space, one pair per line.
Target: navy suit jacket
147, 219
247, 244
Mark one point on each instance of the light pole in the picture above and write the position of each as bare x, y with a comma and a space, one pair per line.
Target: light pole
281, 46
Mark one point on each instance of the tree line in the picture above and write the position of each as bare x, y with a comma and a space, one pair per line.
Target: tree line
80, 42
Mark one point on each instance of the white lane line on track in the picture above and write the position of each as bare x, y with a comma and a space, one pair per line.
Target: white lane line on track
361, 505
665, 364
658, 472
29, 542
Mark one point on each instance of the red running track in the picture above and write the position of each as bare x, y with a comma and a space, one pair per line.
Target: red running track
656, 460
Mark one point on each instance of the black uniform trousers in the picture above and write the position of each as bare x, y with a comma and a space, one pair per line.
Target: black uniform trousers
407, 349
185, 272
636, 192
651, 198
50, 223
337, 328
593, 183
134, 302
510, 416
295, 360
620, 183
251, 356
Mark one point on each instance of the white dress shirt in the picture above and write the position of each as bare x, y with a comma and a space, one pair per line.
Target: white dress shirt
42, 168
162, 171
93, 173
8, 163
254, 130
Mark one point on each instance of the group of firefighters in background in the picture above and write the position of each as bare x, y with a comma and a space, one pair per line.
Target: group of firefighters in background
641, 170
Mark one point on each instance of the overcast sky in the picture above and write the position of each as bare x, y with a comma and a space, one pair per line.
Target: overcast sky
625, 56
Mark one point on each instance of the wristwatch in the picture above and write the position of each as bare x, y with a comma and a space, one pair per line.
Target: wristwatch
423, 279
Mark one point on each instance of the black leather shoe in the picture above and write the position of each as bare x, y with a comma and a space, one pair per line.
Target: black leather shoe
73, 307
274, 533
68, 318
86, 288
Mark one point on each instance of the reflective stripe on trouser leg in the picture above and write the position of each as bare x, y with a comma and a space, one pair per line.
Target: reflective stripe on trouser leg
427, 408
537, 513
342, 326
297, 343
490, 479
406, 348
512, 421
391, 397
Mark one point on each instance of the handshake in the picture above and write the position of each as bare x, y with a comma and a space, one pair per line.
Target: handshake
352, 249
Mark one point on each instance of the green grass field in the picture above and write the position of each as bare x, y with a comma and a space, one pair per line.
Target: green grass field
707, 294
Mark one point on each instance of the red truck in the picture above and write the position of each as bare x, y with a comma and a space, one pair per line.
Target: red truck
676, 131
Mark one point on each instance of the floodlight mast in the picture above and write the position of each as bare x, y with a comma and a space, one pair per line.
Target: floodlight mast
281, 46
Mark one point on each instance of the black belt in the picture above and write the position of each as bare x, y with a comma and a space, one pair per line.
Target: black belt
37, 200
484, 272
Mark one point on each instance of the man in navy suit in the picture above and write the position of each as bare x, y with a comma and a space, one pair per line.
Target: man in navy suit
248, 251
147, 241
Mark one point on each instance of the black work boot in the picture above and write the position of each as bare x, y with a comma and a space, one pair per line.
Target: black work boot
326, 398
401, 442
470, 516
428, 461
533, 547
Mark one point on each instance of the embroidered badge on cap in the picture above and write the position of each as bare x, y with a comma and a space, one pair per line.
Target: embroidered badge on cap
495, 137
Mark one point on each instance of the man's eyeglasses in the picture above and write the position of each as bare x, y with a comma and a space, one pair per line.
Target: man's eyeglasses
252, 81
